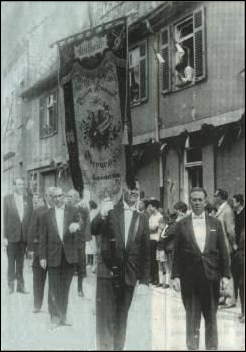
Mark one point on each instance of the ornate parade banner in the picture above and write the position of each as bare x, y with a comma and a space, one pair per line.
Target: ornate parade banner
93, 75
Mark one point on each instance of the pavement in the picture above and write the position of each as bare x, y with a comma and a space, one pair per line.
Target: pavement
156, 320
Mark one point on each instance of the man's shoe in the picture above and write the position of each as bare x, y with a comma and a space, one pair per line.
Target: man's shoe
241, 319
36, 310
65, 323
22, 290
81, 293
230, 305
55, 322
222, 302
165, 286
159, 285
11, 290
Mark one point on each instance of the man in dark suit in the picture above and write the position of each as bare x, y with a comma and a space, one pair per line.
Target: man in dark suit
237, 265
123, 259
225, 215
58, 252
72, 198
17, 216
39, 274
200, 261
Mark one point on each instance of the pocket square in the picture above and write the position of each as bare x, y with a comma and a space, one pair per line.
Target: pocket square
213, 230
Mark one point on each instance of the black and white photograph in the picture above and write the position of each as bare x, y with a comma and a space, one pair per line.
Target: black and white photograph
122, 175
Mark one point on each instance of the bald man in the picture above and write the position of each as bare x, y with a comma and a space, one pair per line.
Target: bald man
58, 252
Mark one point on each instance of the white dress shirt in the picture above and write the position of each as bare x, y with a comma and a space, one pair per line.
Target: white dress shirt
59, 220
199, 226
19, 204
128, 212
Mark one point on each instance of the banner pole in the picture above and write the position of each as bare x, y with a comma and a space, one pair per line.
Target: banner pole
125, 139
62, 113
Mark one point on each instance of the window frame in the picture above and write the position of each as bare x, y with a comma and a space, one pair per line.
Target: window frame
171, 50
187, 166
44, 113
145, 57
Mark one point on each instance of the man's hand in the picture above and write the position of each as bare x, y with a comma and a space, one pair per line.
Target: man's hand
235, 247
176, 284
224, 283
73, 227
142, 289
43, 263
106, 205
5, 242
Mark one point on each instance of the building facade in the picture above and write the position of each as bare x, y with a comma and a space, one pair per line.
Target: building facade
192, 133
187, 131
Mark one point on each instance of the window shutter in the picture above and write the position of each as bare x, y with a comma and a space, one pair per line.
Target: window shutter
41, 115
55, 99
143, 70
199, 44
165, 52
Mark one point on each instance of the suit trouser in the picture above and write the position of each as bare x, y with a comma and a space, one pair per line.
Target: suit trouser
39, 277
112, 307
15, 253
154, 278
235, 271
60, 279
241, 293
81, 267
201, 297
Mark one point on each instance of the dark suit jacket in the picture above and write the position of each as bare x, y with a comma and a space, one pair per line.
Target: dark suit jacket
85, 233
51, 245
12, 223
33, 236
188, 258
134, 258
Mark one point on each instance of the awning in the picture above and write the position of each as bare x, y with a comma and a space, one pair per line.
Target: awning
194, 126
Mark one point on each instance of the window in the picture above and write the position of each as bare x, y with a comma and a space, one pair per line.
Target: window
183, 49
33, 182
48, 115
138, 74
193, 176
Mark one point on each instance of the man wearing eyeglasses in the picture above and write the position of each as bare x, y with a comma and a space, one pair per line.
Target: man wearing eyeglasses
200, 264
58, 252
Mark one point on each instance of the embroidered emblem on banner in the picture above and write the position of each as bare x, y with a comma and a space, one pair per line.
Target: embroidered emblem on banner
99, 126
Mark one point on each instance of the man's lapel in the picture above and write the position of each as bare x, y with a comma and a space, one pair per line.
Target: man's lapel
118, 224
132, 229
53, 219
14, 206
25, 204
65, 220
208, 233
